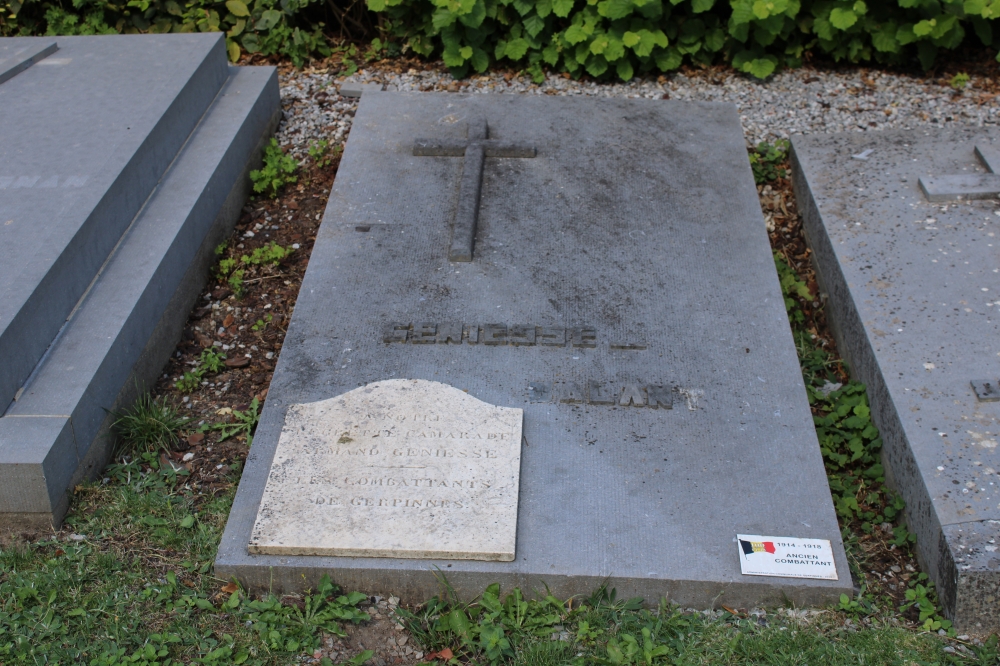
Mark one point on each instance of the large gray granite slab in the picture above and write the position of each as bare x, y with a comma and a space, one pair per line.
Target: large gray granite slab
56, 433
86, 134
630, 253
914, 294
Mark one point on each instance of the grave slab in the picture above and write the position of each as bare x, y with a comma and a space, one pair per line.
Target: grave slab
121, 334
914, 288
621, 292
461, 504
19, 53
86, 137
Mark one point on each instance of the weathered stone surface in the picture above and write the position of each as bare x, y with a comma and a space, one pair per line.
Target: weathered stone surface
399, 468
622, 292
913, 296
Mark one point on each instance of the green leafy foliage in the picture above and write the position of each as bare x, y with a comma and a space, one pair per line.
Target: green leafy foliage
261, 324
267, 255
920, 595
211, 361
242, 423
271, 254
321, 154
767, 161
148, 425
277, 171
269, 27
622, 38
791, 286
851, 446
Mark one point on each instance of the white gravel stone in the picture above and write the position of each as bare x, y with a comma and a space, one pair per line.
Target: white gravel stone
792, 102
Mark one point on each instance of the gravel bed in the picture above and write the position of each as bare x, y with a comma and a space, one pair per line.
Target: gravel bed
797, 101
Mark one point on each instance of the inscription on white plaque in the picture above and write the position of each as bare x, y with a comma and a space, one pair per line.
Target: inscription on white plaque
399, 468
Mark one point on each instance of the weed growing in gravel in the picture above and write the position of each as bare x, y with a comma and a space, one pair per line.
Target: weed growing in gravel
278, 170
321, 154
261, 324
267, 255
148, 425
242, 423
959, 81
767, 161
211, 361
271, 254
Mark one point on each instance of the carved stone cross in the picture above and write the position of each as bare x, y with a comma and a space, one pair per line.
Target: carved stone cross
967, 186
475, 149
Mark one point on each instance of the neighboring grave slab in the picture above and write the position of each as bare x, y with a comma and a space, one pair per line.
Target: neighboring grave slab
399, 468
116, 339
85, 138
621, 292
910, 258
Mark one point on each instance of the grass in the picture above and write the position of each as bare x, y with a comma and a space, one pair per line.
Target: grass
133, 584
148, 425
129, 578
601, 630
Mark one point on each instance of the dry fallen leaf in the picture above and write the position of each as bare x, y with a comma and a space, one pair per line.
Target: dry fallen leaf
228, 321
229, 588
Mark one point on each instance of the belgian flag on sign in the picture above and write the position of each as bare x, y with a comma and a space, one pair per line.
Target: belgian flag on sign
750, 547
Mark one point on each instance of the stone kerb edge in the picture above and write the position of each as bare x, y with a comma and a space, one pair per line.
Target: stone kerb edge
39, 49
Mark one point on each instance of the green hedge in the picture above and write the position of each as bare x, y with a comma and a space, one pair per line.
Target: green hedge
626, 37
282, 27
603, 38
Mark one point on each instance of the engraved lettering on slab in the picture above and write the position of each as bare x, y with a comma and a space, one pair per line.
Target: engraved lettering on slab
395, 332
474, 149
552, 336
424, 333
517, 335
626, 346
494, 334
400, 468
583, 337
634, 395
660, 396
987, 390
573, 394
449, 332
521, 335
601, 394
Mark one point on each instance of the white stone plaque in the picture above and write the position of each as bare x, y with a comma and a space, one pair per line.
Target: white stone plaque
788, 557
400, 468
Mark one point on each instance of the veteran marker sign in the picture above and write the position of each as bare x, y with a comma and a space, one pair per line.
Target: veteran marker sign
786, 556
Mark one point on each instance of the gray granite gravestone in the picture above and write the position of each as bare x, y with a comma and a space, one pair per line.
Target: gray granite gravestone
910, 257
621, 292
122, 159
